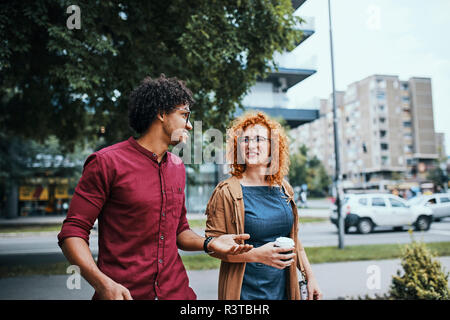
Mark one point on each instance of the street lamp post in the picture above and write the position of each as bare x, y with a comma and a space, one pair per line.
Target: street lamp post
337, 180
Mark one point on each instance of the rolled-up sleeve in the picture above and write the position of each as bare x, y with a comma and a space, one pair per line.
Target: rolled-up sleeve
87, 202
183, 223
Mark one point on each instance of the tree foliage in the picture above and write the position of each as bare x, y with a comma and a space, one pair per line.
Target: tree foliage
68, 83
437, 176
309, 170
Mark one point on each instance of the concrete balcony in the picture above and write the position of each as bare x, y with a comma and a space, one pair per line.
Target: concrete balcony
297, 3
307, 27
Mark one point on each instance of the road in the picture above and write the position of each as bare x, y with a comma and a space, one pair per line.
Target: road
325, 234
44, 248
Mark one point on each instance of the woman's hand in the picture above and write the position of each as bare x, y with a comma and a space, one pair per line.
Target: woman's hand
314, 292
273, 256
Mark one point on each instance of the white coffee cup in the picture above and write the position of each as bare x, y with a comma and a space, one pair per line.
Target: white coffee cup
284, 242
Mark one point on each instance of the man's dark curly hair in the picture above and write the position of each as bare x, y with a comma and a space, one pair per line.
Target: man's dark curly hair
153, 97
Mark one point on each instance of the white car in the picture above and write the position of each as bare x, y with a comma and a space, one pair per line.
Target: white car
368, 211
439, 203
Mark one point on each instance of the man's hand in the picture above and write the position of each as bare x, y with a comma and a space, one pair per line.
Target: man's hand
229, 244
113, 291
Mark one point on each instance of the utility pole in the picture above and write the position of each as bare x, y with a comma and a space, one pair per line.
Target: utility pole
337, 180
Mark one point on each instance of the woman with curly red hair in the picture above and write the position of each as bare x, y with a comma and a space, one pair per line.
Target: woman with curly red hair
258, 201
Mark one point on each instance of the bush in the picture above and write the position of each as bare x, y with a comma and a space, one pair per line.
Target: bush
422, 276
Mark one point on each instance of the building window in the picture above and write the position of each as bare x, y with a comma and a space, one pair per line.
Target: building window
409, 148
381, 83
404, 86
383, 133
381, 95
384, 160
384, 146
405, 99
382, 120
407, 124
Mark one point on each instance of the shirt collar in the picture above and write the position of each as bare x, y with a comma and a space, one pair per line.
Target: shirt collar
147, 152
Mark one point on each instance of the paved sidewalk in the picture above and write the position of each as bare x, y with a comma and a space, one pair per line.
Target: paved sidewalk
336, 280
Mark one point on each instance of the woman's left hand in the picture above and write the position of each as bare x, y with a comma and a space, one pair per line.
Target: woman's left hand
314, 292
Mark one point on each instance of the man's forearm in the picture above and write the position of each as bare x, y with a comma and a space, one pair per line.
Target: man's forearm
188, 240
77, 251
249, 256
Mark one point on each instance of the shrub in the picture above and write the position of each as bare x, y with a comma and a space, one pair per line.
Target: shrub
422, 276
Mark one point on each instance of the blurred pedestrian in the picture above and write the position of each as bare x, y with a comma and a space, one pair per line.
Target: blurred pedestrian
59, 206
303, 199
65, 207
258, 201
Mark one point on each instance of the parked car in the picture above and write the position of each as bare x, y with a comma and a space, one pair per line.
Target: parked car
368, 211
439, 203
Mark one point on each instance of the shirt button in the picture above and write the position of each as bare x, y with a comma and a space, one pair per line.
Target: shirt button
160, 261
163, 214
162, 237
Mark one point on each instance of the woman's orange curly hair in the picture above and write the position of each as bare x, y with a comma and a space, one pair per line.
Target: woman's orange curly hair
277, 136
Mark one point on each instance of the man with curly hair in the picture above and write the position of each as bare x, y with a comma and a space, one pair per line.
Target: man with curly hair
135, 189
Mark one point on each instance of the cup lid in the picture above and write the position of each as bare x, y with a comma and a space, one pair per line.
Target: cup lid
285, 242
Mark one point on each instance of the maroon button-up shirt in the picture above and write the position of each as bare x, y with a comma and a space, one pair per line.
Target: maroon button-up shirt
140, 209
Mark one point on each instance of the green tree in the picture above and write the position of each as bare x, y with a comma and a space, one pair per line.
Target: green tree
68, 83
298, 167
309, 170
436, 175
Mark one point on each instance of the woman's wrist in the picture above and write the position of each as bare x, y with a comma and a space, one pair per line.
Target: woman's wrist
253, 255
310, 276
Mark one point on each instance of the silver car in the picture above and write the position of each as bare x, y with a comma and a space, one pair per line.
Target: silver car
439, 203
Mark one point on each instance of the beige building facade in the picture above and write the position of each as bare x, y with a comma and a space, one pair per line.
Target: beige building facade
386, 131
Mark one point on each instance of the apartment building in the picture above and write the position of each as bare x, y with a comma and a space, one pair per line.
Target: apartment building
386, 130
440, 144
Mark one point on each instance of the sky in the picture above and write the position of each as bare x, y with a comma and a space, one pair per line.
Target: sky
407, 38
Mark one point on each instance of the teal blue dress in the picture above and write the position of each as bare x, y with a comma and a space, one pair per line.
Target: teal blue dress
268, 216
